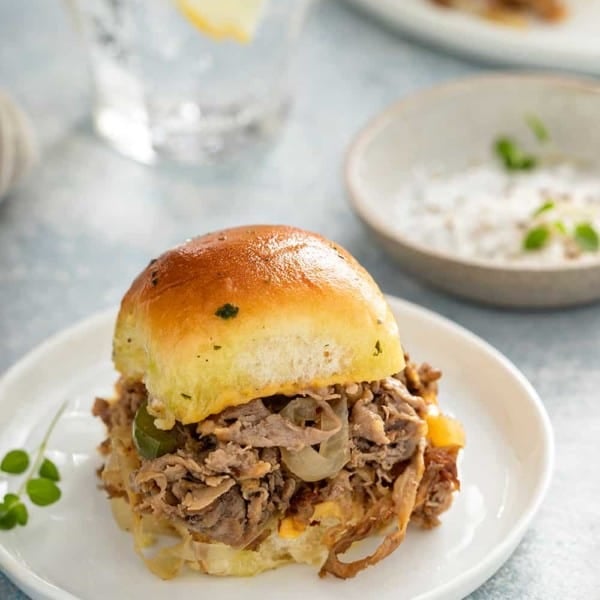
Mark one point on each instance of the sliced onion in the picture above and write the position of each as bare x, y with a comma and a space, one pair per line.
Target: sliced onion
213, 558
308, 464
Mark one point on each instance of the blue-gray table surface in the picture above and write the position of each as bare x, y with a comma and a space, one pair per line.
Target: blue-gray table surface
74, 235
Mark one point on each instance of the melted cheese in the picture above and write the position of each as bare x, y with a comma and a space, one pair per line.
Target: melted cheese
444, 431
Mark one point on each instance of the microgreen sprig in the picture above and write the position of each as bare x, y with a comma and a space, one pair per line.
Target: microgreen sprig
538, 128
512, 156
586, 237
584, 234
536, 237
545, 207
40, 483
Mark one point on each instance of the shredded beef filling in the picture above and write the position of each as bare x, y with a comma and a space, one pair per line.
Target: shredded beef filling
227, 481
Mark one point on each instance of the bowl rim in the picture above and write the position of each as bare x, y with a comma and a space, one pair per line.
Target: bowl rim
359, 201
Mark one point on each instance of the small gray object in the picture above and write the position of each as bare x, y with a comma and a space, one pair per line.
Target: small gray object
18, 144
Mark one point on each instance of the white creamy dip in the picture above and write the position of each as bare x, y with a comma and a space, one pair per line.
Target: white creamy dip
484, 212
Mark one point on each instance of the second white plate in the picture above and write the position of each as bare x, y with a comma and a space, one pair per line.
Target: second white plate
572, 45
73, 549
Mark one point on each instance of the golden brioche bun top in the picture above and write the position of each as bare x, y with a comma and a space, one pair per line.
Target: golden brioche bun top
251, 312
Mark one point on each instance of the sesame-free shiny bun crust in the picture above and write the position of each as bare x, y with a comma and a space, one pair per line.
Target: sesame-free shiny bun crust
251, 312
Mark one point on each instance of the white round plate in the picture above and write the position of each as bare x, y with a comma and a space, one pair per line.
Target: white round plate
73, 549
573, 44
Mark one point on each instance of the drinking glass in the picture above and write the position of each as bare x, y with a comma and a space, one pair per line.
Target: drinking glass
166, 88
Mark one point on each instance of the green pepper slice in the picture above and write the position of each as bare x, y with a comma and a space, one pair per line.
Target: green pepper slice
150, 441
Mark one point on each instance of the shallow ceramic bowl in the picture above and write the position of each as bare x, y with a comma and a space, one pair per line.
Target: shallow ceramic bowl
450, 127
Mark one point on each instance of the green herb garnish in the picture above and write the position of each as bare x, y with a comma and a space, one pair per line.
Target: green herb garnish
536, 238
513, 158
538, 128
378, 349
8, 516
12, 512
48, 470
586, 237
15, 462
548, 205
10, 500
560, 227
41, 490
227, 311
21, 512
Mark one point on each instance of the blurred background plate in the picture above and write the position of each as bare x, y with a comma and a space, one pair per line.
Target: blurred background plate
571, 45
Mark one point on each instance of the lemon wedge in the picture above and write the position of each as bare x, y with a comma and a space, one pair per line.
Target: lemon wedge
224, 19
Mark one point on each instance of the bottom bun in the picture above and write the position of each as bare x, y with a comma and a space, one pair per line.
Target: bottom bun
216, 558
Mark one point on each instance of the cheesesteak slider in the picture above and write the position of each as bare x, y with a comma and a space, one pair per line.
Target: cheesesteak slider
265, 412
